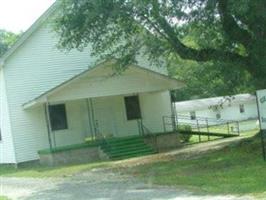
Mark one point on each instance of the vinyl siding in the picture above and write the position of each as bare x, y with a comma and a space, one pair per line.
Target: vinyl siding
228, 113
34, 68
155, 105
7, 153
110, 112
78, 124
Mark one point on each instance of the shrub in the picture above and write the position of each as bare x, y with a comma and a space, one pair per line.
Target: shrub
185, 137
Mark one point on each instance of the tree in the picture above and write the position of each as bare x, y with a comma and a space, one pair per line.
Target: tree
232, 33
7, 39
209, 79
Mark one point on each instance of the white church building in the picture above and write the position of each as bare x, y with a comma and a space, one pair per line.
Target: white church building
52, 98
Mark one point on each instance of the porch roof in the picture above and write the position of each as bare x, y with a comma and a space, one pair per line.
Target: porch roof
101, 81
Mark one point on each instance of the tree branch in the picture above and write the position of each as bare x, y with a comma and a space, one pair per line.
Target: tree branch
231, 27
185, 52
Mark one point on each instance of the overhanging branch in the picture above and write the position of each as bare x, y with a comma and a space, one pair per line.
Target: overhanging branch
200, 55
230, 26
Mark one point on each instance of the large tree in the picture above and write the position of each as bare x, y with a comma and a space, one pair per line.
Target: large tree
7, 39
229, 32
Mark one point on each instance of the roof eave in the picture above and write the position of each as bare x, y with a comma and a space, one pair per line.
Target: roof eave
40, 99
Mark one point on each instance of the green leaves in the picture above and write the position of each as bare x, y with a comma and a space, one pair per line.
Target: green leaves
210, 79
228, 32
7, 39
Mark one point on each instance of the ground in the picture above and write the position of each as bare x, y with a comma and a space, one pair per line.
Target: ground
98, 184
214, 170
3, 198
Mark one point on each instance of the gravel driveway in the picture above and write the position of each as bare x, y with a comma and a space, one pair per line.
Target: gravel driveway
96, 185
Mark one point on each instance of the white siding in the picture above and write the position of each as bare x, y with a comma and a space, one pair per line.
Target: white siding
7, 154
34, 68
228, 113
155, 106
233, 113
78, 124
110, 113
36, 134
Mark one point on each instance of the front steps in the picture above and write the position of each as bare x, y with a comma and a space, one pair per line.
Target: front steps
128, 147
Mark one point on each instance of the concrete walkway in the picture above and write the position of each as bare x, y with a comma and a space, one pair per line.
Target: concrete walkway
96, 185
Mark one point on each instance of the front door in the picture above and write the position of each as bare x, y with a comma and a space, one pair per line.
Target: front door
105, 122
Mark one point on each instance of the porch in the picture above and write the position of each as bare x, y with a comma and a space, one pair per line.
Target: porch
99, 104
86, 120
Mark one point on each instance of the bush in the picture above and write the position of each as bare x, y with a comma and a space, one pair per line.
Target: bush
185, 137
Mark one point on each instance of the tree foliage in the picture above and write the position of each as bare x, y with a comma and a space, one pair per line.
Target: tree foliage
229, 34
7, 39
210, 79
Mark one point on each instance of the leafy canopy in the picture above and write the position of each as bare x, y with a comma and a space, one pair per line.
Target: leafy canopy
7, 39
209, 80
227, 33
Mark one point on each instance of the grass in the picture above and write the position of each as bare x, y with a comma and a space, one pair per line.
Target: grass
195, 139
234, 170
38, 171
218, 129
3, 198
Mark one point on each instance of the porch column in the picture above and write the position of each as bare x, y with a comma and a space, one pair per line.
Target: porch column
91, 117
173, 110
47, 120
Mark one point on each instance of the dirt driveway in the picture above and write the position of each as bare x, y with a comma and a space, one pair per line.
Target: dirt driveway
96, 185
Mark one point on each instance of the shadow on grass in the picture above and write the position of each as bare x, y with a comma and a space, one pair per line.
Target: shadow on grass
237, 169
35, 170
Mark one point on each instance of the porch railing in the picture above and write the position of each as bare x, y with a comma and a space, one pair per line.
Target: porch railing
101, 138
146, 133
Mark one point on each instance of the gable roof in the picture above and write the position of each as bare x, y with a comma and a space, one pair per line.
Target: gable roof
28, 33
201, 104
43, 97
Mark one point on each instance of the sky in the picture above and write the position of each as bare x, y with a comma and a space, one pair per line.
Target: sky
19, 15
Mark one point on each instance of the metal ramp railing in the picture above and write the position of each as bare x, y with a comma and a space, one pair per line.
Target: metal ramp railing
201, 126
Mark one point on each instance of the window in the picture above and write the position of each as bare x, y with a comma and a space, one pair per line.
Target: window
132, 107
241, 108
218, 116
58, 117
192, 115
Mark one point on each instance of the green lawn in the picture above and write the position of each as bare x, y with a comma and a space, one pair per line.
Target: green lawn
37, 171
218, 129
3, 198
233, 170
195, 139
